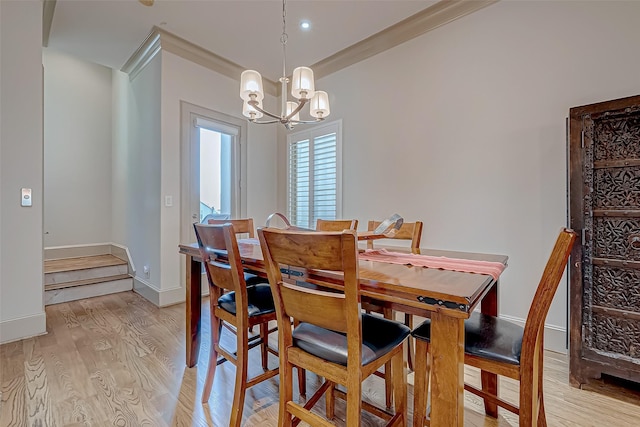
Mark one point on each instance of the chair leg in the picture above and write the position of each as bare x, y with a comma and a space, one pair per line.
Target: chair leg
421, 383
330, 402
264, 338
529, 394
216, 330
542, 418
399, 385
302, 374
302, 382
388, 384
354, 402
286, 391
490, 386
241, 377
411, 352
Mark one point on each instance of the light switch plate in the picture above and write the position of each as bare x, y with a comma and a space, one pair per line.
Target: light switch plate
25, 200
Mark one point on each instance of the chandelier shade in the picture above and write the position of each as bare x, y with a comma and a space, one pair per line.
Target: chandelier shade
302, 89
251, 84
302, 84
319, 107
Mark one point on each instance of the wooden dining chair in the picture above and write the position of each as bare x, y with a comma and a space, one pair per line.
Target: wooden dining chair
242, 307
334, 338
503, 348
336, 224
244, 227
409, 231
240, 226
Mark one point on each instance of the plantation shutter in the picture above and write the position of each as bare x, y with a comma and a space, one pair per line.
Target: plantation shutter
313, 176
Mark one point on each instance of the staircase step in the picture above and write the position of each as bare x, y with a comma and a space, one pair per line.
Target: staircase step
71, 272
56, 296
81, 263
52, 286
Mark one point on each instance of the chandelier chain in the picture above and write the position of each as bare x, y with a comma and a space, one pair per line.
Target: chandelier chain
283, 39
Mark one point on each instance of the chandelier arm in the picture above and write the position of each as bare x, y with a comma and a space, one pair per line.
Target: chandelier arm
255, 105
301, 104
306, 122
265, 122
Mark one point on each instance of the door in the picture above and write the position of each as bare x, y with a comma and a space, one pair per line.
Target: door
212, 172
605, 208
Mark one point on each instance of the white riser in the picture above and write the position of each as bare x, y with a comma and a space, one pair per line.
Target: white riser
57, 296
89, 273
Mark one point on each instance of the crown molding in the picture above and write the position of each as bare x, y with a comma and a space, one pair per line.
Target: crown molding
149, 48
160, 39
48, 8
422, 22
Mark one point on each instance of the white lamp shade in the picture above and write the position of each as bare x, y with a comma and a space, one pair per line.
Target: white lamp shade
290, 107
319, 107
248, 109
302, 81
251, 83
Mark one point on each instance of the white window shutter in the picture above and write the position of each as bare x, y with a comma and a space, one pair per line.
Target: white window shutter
313, 187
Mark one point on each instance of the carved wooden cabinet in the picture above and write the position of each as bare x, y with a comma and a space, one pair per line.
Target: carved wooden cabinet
604, 141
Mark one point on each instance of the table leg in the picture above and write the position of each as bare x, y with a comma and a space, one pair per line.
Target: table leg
194, 310
489, 306
447, 381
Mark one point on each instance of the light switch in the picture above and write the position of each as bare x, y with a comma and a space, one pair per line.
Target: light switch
25, 200
168, 201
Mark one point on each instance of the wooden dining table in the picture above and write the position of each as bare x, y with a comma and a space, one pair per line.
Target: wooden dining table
447, 297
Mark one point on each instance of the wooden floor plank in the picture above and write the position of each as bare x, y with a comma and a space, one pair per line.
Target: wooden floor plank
119, 360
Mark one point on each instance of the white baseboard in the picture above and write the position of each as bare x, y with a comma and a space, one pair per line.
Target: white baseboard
72, 251
23, 327
555, 337
159, 297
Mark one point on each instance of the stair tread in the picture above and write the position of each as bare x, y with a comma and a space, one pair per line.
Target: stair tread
81, 263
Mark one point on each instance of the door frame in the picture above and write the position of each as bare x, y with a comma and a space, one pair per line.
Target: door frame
188, 114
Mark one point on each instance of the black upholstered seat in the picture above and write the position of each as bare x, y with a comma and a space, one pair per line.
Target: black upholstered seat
379, 335
259, 300
486, 336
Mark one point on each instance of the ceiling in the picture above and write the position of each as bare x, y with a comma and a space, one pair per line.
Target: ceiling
246, 32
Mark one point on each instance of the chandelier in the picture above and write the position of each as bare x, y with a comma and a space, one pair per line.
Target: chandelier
302, 89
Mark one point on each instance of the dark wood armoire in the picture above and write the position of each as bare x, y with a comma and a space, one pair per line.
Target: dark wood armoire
604, 171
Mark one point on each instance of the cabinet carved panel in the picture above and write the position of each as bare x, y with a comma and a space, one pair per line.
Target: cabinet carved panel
605, 210
616, 188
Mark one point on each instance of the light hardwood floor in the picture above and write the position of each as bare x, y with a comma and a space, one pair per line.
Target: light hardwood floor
117, 360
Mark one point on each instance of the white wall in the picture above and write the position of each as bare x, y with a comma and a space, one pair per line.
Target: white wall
77, 151
140, 158
120, 173
183, 80
464, 128
21, 153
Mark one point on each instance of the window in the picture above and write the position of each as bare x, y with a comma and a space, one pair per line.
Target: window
314, 174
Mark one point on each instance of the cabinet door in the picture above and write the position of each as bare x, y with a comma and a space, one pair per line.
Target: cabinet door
605, 207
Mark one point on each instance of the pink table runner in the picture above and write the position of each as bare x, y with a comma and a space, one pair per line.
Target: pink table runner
492, 269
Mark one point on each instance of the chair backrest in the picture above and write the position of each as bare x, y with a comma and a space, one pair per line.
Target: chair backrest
334, 251
336, 224
240, 226
220, 240
534, 326
408, 231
